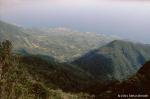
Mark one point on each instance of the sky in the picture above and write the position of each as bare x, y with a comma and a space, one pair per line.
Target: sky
129, 19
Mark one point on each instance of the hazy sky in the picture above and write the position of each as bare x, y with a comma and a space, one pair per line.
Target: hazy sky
126, 18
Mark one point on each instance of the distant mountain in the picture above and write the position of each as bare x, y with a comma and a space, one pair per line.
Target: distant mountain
62, 43
16, 34
117, 60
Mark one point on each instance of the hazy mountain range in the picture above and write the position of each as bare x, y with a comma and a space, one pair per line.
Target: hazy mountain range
61, 43
97, 54
46, 60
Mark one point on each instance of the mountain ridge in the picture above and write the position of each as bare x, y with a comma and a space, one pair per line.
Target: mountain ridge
64, 45
117, 60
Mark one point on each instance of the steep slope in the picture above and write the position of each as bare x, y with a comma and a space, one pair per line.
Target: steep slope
30, 77
16, 34
137, 87
61, 43
20, 82
117, 60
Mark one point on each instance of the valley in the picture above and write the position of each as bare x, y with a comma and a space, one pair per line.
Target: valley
60, 63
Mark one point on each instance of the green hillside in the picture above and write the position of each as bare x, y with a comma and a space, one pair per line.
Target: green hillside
60, 63
136, 87
32, 77
117, 60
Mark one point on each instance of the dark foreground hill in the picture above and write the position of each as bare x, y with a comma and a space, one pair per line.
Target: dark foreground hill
42, 77
36, 77
117, 60
137, 87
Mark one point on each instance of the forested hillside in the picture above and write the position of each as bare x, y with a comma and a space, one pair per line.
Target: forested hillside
136, 87
64, 64
30, 77
27, 76
117, 60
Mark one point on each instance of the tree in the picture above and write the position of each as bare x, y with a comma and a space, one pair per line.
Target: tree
5, 50
5, 56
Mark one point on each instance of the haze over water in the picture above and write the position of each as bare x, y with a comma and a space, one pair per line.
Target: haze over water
129, 19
